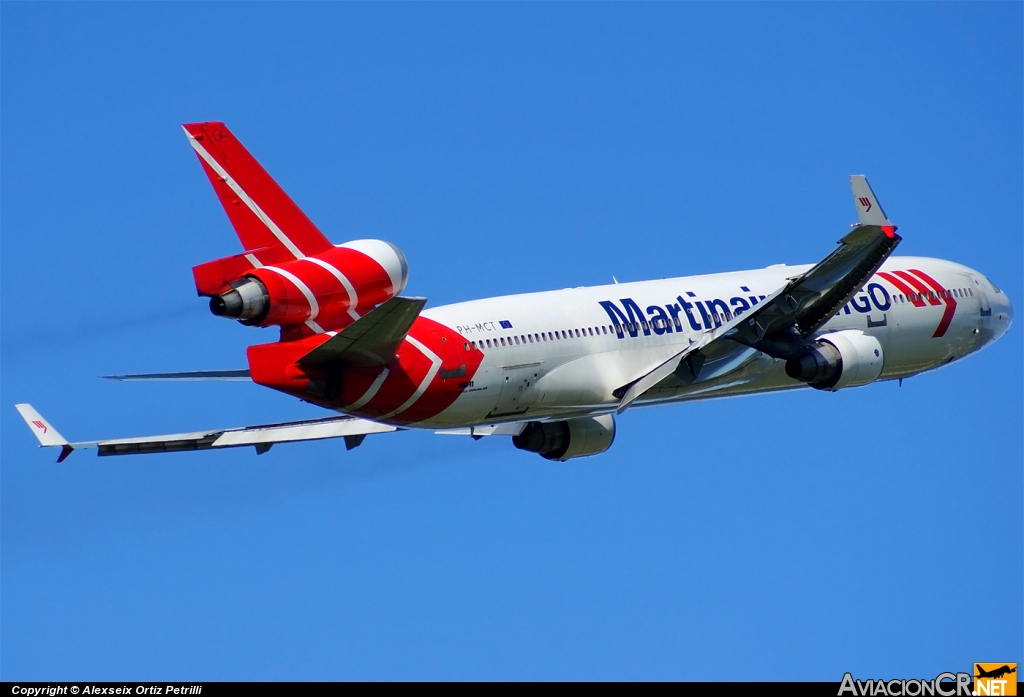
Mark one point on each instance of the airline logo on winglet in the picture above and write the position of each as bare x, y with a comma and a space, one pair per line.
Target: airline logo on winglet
866, 202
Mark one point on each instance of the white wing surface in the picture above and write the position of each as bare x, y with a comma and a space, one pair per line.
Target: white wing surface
352, 429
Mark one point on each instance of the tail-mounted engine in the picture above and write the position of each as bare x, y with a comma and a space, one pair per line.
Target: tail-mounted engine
564, 440
290, 274
330, 289
841, 359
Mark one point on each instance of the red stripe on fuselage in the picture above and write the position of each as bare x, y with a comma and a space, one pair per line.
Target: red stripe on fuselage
946, 296
922, 288
903, 288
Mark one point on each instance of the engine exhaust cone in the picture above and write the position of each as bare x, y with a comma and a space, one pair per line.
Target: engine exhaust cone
227, 305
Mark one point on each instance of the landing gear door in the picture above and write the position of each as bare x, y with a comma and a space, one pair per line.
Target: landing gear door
518, 389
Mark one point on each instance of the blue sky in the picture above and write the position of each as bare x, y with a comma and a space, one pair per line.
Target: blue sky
504, 148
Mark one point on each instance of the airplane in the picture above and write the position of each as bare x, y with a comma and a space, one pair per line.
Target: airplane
549, 369
995, 673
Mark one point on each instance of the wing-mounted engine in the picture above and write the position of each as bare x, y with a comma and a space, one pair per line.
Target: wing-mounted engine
564, 440
841, 359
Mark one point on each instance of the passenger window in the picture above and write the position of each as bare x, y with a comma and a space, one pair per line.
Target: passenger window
502, 341
604, 329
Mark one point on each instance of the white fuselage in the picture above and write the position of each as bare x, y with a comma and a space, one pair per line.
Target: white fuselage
561, 354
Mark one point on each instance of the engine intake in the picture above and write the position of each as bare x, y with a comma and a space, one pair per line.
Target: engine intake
564, 440
842, 359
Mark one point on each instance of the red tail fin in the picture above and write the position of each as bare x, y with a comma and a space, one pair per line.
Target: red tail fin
262, 213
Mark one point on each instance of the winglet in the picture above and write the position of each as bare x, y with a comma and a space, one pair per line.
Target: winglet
868, 208
42, 429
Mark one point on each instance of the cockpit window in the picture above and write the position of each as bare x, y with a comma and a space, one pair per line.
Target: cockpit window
994, 286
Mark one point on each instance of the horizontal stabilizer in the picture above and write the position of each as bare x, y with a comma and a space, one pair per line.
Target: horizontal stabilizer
371, 340
262, 437
193, 375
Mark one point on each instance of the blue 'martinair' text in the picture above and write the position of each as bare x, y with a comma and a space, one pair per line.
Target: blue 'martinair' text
708, 314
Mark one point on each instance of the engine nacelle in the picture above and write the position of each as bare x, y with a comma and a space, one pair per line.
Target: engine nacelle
842, 359
330, 288
564, 440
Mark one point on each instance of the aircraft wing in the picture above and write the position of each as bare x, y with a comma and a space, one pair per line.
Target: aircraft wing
687, 363
782, 323
352, 429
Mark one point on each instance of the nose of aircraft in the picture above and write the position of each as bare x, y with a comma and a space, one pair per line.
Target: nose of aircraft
1002, 313
1000, 316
